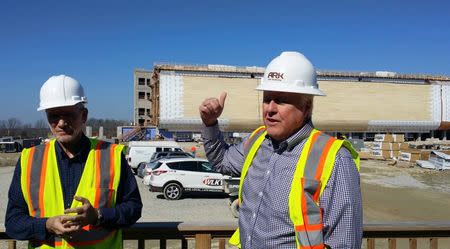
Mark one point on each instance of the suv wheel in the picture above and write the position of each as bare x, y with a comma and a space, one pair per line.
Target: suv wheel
172, 191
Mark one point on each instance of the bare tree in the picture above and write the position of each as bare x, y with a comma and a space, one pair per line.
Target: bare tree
15, 127
2, 124
13, 123
40, 124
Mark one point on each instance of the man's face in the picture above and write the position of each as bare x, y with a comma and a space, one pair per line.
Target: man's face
66, 123
283, 114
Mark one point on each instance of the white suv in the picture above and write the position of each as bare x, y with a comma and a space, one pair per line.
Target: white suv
177, 175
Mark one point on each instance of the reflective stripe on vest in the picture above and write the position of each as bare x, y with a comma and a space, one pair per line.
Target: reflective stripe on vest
41, 188
312, 172
309, 234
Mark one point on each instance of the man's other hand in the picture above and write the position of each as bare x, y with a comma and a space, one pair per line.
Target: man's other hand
58, 225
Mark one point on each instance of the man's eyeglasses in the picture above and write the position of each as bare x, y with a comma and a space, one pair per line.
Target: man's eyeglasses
56, 117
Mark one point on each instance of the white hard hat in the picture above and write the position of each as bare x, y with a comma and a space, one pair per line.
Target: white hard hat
59, 91
290, 72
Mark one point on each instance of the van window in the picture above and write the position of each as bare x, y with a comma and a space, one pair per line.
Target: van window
167, 149
159, 155
158, 149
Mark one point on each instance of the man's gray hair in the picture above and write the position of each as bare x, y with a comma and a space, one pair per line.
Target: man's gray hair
81, 105
308, 102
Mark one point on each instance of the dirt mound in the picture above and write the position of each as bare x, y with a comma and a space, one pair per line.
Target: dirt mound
8, 159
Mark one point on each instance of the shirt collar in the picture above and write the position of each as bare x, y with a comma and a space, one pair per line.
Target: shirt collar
294, 139
82, 154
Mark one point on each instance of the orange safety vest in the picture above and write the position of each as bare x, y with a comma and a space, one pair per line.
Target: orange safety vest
311, 176
42, 191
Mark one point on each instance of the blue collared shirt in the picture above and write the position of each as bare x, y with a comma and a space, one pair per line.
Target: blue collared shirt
264, 214
20, 225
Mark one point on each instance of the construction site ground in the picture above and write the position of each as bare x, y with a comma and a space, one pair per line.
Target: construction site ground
390, 194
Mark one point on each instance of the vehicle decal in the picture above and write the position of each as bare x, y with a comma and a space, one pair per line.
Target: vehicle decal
202, 190
212, 182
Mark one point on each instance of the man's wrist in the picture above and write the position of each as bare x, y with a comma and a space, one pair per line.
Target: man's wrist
41, 228
211, 123
99, 220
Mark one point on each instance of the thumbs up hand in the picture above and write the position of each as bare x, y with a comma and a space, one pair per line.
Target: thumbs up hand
211, 109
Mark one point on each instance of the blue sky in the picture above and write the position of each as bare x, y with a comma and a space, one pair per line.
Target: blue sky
100, 43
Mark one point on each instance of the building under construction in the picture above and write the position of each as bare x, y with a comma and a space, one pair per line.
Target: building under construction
357, 103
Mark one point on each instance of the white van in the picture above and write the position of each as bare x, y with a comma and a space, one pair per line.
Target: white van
142, 151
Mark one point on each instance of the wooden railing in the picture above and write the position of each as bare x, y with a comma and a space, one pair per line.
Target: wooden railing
204, 234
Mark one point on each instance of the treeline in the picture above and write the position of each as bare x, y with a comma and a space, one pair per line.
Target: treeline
16, 128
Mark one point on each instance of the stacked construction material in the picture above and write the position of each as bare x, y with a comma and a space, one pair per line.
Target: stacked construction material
440, 160
388, 146
394, 147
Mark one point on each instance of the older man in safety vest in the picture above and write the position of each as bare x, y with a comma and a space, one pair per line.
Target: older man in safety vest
73, 191
299, 187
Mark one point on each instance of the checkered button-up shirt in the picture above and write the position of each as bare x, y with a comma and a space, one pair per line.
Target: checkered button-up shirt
264, 214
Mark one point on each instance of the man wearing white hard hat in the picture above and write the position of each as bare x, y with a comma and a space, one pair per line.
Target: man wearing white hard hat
299, 187
74, 191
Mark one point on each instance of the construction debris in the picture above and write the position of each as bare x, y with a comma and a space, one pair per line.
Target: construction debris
402, 154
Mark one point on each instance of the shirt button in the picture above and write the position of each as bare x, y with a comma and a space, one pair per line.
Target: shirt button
260, 194
249, 237
268, 172
254, 215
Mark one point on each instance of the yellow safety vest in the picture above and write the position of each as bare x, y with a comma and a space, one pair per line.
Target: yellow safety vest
311, 176
42, 191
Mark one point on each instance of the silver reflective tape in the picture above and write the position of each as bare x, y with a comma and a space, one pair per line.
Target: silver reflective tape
105, 166
310, 238
313, 159
35, 177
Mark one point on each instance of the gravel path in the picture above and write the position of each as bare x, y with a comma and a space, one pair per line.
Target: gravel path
192, 208
198, 207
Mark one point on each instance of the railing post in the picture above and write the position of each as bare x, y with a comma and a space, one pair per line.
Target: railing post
203, 241
392, 243
184, 243
433, 243
162, 244
222, 244
412, 243
12, 244
141, 244
370, 243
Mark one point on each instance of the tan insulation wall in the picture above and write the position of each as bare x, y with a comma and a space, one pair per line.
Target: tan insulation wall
348, 105
373, 101
242, 103
351, 105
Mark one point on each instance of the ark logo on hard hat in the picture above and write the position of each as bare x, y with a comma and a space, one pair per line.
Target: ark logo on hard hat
275, 76
59, 91
290, 72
